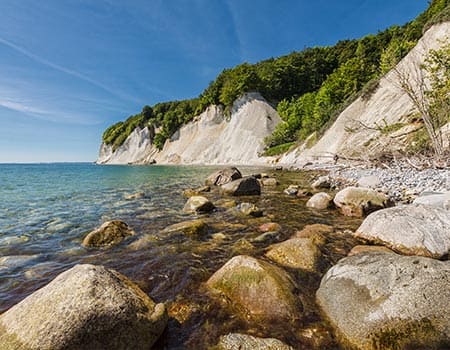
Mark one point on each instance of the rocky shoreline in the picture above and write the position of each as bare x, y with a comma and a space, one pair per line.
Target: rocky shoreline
389, 293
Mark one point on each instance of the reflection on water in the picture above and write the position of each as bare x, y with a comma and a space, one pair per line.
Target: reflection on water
46, 210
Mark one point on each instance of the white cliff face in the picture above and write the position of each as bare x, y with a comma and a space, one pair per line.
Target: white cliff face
356, 134
211, 138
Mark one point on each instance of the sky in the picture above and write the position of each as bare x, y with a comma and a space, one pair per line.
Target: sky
71, 68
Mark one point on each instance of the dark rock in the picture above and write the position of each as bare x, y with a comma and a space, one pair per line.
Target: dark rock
223, 177
108, 234
242, 187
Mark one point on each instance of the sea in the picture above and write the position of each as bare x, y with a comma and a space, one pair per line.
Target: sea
47, 209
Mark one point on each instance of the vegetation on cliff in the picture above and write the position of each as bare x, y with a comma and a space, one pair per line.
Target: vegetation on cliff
309, 87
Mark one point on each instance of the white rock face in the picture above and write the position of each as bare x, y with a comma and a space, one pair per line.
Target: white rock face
388, 105
209, 139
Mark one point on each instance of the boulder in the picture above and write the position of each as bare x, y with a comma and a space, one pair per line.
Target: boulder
198, 204
269, 182
223, 177
256, 289
269, 227
388, 301
370, 181
319, 201
358, 201
191, 228
108, 234
316, 232
296, 253
410, 229
242, 187
322, 182
249, 209
86, 307
237, 341
292, 190
441, 200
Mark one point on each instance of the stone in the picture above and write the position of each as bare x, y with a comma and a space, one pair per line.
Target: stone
137, 195
86, 307
319, 201
242, 187
108, 234
292, 190
223, 177
269, 227
316, 232
303, 193
296, 253
256, 289
269, 182
388, 301
361, 249
10, 262
237, 341
266, 236
410, 229
190, 192
190, 228
370, 181
441, 200
322, 182
226, 203
358, 201
198, 205
249, 209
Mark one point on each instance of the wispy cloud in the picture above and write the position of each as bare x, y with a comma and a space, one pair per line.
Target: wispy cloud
66, 70
236, 31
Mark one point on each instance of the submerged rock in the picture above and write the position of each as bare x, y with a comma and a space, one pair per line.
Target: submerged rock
319, 201
269, 182
237, 341
256, 289
249, 209
388, 301
361, 249
358, 201
269, 227
137, 195
108, 234
297, 253
86, 307
198, 204
190, 192
223, 176
15, 261
292, 190
191, 228
410, 229
242, 187
316, 232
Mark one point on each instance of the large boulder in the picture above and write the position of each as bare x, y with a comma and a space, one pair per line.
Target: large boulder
108, 234
410, 229
387, 301
237, 341
256, 289
87, 307
223, 177
358, 201
319, 201
198, 204
190, 228
246, 186
441, 200
297, 253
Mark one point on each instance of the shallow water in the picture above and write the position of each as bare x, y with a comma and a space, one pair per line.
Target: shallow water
47, 209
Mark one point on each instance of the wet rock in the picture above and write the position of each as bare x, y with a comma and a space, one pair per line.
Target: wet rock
269, 182
303, 193
143, 242
409, 229
441, 200
388, 301
316, 232
182, 310
370, 181
243, 246
242, 187
296, 253
256, 289
137, 195
269, 227
198, 204
319, 201
86, 307
267, 236
225, 203
191, 228
190, 192
292, 190
223, 177
358, 201
361, 249
316, 336
249, 209
237, 341
14, 261
108, 234
322, 182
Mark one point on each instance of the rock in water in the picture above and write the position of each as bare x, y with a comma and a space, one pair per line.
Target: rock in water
250, 209
223, 177
388, 301
198, 204
319, 201
357, 201
191, 228
108, 234
243, 187
256, 289
86, 307
410, 229
322, 182
237, 341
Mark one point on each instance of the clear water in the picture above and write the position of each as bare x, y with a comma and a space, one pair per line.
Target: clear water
47, 209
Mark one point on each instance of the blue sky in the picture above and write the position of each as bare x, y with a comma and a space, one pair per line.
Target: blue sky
70, 68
